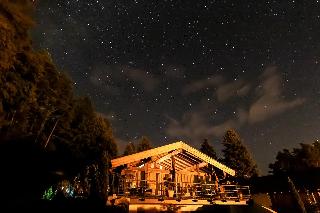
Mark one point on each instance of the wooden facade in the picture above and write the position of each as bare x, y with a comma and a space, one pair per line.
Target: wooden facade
175, 171
163, 155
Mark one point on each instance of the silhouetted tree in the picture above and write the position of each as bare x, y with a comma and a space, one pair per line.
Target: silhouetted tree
302, 159
208, 149
37, 105
130, 149
144, 144
237, 156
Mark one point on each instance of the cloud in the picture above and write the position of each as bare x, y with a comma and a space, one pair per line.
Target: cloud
121, 145
269, 102
236, 88
224, 91
220, 129
146, 80
100, 77
108, 78
201, 84
194, 127
242, 116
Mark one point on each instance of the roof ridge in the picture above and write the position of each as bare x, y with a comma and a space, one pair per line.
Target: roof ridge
167, 148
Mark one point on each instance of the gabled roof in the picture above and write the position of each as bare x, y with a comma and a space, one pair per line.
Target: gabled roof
186, 155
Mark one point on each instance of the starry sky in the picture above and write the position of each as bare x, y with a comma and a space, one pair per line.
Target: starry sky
189, 70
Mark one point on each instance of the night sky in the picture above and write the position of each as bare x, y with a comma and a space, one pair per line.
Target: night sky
189, 70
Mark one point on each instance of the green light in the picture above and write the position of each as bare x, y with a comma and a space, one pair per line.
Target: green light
48, 194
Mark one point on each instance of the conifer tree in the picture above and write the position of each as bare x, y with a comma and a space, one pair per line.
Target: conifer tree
208, 149
144, 144
237, 157
302, 159
130, 149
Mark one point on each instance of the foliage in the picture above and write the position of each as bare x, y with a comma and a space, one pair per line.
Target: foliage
302, 159
144, 144
37, 104
130, 149
237, 156
208, 149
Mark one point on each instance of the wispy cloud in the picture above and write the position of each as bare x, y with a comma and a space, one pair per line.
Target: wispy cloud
100, 77
202, 84
194, 127
236, 88
144, 79
223, 90
269, 101
108, 78
121, 145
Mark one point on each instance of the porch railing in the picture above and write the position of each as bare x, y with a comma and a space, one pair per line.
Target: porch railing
181, 190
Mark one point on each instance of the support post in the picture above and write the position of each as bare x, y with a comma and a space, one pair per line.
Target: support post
173, 163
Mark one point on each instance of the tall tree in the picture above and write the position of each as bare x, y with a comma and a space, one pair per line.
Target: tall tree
208, 149
130, 149
39, 109
104, 150
144, 144
237, 156
307, 157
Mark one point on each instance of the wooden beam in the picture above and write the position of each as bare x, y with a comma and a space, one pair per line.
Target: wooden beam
183, 162
166, 164
168, 156
167, 148
197, 166
169, 162
208, 159
166, 167
188, 159
145, 154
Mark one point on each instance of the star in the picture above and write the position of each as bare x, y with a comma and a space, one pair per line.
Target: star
200, 66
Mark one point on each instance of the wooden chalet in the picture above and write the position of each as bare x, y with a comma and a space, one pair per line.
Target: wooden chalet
175, 171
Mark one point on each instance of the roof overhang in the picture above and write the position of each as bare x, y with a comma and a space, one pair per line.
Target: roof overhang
185, 157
